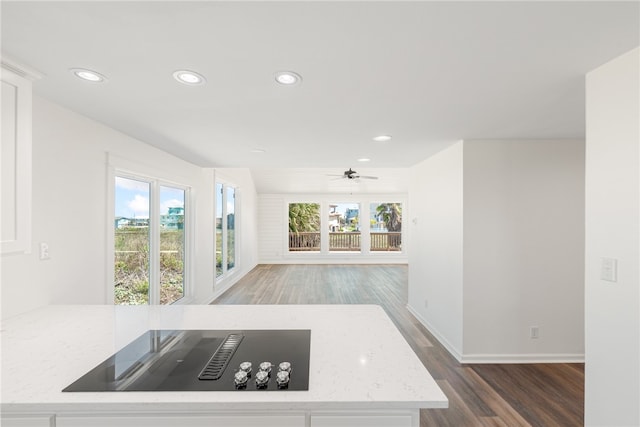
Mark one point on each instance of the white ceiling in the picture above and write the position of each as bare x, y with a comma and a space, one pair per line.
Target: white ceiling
428, 73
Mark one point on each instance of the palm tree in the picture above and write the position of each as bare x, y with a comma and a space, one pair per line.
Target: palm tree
304, 217
391, 215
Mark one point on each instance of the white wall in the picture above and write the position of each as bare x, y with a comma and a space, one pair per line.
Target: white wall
273, 229
612, 388
498, 247
70, 212
204, 256
436, 245
523, 250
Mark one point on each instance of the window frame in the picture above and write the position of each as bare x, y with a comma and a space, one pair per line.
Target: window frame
226, 272
325, 201
393, 200
358, 203
126, 168
287, 249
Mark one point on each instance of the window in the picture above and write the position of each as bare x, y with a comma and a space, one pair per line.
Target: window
226, 231
333, 226
149, 241
231, 232
219, 194
171, 249
344, 227
385, 227
304, 227
131, 252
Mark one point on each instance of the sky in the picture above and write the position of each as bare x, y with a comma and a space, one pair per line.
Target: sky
132, 198
231, 209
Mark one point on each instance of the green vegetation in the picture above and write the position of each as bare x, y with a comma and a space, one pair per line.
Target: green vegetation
391, 215
230, 248
131, 272
218, 252
304, 217
304, 226
353, 226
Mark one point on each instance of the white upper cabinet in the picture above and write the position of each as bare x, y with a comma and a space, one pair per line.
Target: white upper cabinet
15, 157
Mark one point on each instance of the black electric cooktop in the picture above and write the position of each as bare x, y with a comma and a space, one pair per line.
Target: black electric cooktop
205, 360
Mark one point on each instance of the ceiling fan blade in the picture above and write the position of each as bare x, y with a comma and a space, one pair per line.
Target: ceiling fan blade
351, 175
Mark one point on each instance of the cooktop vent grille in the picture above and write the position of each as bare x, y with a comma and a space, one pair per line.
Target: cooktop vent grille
216, 365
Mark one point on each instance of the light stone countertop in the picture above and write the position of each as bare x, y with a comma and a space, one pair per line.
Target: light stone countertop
359, 360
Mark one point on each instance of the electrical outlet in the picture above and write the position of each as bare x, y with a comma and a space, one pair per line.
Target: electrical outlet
534, 332
44, 251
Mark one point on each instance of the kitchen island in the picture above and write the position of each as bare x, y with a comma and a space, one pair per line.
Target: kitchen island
361, 370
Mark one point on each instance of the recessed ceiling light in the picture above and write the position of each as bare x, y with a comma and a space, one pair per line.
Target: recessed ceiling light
88, 75
382, 138
189, 77
364, 159
288, 78
258, 150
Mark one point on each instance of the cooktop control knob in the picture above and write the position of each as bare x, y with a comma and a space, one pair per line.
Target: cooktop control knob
266, 367
240, 378
246, 367
282, 378
262, 378
284, 366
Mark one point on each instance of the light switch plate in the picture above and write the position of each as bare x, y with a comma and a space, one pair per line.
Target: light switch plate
609, 270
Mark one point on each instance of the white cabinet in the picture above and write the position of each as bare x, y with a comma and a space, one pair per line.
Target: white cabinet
183, 420
27, 421
378, 418
391, 418
15, 158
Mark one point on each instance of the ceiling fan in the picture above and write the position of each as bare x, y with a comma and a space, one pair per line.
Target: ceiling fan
351, 174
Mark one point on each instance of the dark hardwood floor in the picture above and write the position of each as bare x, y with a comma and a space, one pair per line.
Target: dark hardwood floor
510, 395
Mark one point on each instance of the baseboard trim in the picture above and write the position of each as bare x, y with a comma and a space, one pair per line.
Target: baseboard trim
340, 260
226, 284
441, 339
521, 358
220, 291
496, 358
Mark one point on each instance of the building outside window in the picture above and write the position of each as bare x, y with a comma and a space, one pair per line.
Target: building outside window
344, 227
